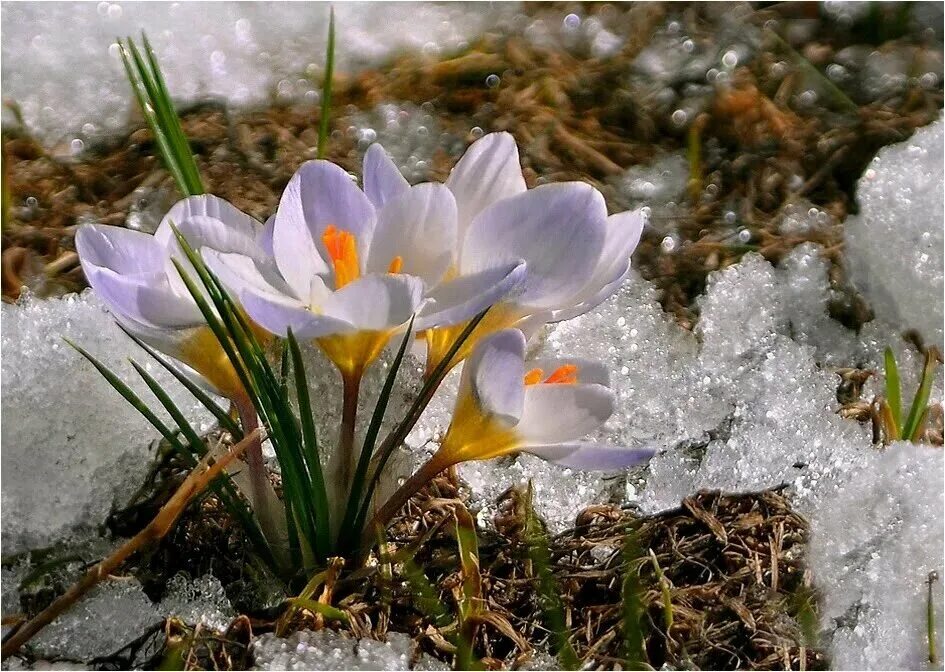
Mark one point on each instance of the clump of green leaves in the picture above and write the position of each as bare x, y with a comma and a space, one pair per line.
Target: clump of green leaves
889, 409
150, 89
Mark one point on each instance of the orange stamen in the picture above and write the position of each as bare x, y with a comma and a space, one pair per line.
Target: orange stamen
396, 264
533, 377
563, 375
343, 250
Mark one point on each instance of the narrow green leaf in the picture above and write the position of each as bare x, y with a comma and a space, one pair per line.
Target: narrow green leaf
326, 87
349, 532
325, 610
310, 442
396, 437
633, 612
225, 419
470, 603
893, 388
185, 427
921, 400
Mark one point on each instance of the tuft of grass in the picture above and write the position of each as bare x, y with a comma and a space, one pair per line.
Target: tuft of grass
150, 89
634, 641
890, 408
326, 87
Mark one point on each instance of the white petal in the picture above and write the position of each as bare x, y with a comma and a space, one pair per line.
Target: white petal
557, 229
122, 250
238, 272
556, 413
322, 194
148, 299
293, 247
206, 205
613, 266
468, 295
264, 237
376, 302
494, 374
277, 314
589, 371
382, 180
488, 172
419, 226
592, 456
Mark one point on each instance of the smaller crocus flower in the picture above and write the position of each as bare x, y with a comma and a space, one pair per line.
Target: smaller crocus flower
133, 273
544, 407
554, 246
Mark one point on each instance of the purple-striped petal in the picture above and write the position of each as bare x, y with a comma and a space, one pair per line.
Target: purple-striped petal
494, 375
376, 302
468, 295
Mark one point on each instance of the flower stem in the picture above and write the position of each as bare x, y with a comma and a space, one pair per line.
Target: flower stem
261, 489
411, 486
349, 417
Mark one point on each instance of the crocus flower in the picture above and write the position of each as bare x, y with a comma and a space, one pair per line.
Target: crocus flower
544, 407
350, 274
573, 255
133, 273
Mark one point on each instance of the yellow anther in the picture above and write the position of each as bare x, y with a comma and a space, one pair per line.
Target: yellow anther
343, 250
563, 375
396, 264
533, 377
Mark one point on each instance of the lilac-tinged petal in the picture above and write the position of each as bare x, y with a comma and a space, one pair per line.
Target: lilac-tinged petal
376, 302
557, 229
206, 205
591, 303
495, 374
321, 194
264, 237
293, 246
277, 314
382, 180
590, 456
468, 295
555, 413
589, 371
488, 172
122, 250
419, 227
148, 299
237, 272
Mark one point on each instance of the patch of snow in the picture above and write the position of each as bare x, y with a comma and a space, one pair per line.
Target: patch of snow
874, 542
198, 601
72, 447
330, 650
62, 68
894, 246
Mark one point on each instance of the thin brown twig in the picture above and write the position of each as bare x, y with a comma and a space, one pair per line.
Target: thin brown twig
196, 481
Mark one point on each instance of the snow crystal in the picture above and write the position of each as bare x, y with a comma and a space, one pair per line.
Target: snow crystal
873, 545
72, 447
239, 52
894, 246
112, 615
331, 650
198, 601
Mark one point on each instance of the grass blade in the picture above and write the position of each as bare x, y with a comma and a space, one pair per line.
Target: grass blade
470, 604
893, 388
921, 400
633, 613
326, 86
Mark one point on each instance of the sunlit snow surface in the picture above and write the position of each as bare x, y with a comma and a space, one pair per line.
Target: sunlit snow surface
60, 67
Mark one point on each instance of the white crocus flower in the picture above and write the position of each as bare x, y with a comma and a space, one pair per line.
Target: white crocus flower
568, 253
544, 407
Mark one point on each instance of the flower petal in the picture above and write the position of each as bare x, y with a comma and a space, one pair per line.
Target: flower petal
419, 227
591, 456
468, 295
264, 237
382, 180
122, 250
278, 313
376, 302
206, 205
237, 272
148, 299
555, 413
613, 267
488, 172
293, 248
558, 229
494, 374
322, 194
